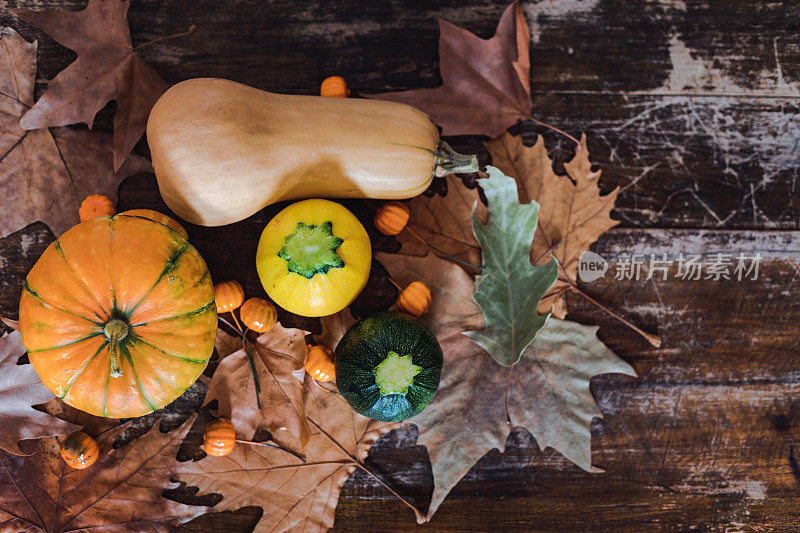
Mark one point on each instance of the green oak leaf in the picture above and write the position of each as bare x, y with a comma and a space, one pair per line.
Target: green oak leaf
510, 288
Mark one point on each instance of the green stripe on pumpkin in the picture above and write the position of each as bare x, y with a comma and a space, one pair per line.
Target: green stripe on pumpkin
135, 338
168, 267
76, 376
70, 343
124, 350
197, 311
26, 287
57, 246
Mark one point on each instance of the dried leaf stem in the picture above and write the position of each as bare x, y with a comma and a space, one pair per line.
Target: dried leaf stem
355, 462
654, 340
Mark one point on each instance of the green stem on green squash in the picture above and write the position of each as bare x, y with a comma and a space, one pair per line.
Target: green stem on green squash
115, 330
448, 161
395, 374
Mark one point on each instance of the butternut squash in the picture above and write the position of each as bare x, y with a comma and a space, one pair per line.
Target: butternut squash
222, 150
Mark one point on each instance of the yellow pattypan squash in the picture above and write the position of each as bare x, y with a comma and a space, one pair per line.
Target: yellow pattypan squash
314, 258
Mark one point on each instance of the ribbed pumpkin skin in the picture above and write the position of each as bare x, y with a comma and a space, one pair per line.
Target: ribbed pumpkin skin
366, 344
128, 268
219, 438
161, 218
228, 295
258, 314
415, 299
79, 450
391, 218
319, 363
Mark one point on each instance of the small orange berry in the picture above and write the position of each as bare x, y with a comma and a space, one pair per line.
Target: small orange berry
96, 205
415, 299
258, 314
228, 295
391, 218
334, 86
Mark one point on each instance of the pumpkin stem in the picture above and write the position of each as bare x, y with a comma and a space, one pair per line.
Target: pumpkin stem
115, 331
448, 161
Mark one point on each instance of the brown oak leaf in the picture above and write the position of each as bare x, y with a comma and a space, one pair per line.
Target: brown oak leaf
278, 407
120, 492
549, 392
108, 68
20, 388
296, 495
485, 82
572, 213
45, 174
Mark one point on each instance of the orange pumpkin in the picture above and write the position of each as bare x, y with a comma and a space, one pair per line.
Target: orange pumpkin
258, 314
219, 437
158, 217
228, 295
96, 205
79, 450
118, 316
319, 363
415, 299
391, 218
334, 86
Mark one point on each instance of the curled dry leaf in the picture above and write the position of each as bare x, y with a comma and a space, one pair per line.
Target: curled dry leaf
46, 173
120, 492
278, 407
296, 495
573, 214
549, 392
485, 82
108, 68
20, 388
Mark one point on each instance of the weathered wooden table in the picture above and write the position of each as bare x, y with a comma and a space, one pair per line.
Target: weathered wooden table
693, 108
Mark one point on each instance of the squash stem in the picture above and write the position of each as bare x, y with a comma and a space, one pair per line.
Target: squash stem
448, 161
116, 331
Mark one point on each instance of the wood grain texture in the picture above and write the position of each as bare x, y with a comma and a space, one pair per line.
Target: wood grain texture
692, 108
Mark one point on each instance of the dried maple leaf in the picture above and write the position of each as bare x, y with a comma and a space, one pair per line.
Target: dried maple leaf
444, 223
120, 492
485, 82
278, 407
509, 288
45, 174
573, 214
20, 388
108, 68
549, 391
296, 495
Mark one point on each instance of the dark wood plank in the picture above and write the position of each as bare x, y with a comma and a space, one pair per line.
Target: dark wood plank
693, 108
